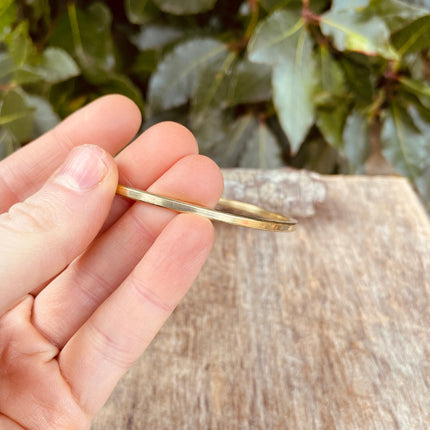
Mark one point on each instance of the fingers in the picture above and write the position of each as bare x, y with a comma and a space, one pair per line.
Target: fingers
123, 326
111, 122
73, 296
148, 157
47, 231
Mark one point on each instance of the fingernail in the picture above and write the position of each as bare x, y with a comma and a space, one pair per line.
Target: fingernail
84, 168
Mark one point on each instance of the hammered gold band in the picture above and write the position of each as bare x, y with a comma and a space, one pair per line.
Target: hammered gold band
245, 214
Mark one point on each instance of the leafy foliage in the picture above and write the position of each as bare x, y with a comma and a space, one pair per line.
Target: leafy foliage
261, 83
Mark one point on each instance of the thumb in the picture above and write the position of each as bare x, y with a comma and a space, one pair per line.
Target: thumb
43, 234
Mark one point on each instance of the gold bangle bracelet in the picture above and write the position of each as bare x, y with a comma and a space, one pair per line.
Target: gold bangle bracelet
245, 214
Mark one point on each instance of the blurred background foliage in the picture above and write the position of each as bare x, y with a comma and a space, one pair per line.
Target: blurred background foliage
322, 84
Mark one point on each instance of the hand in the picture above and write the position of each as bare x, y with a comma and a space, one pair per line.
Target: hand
87, 278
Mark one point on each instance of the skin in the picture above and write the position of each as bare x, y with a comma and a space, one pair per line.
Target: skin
87, 277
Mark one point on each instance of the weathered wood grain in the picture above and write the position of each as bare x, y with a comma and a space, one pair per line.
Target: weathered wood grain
324, 328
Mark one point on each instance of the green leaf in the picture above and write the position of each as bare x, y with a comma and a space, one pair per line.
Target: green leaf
16, 116
176, 77
121, 84
140, 11
8, 12
44, 116
416, 66
57, 65
8, 143
418, 88
358, 79
421, 119
86, 34
145, 64
262, 150
331, 121
226, 151
276, 37
318, 6
40, 10
332, 78
213, 84
271, 5
423, 185
26, 75
404, 144
414, 37
210, 128
421, 3
356, 5
250, 83
396, 13
317, 155
332, 98
354, 31
356, 141
156, 36
20, 46
6, 68
294, 85
185, 7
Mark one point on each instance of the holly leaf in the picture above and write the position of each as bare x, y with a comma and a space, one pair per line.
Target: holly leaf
358, 32
185, 7
262, 150
414, 37
294, 84
177, 75
275, 38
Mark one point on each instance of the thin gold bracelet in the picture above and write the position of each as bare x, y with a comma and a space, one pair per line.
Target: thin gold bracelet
250, 215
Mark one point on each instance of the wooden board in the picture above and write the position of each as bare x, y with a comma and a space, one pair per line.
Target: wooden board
324, 328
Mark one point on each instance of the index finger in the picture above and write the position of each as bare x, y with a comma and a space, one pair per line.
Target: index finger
110, 122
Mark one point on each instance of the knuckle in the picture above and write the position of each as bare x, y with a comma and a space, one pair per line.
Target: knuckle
32, 216
109, 349
149, 296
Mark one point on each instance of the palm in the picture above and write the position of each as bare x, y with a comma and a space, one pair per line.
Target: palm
71, 336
